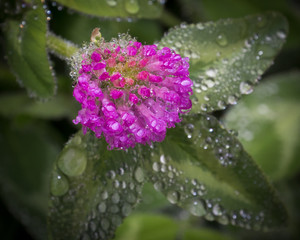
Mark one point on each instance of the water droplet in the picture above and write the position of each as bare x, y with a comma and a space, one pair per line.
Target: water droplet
115, 198
104, 195
132, 6
204, 107
197, 208
211, 72
156, 166
77, 139
221, 104
222, 40
173, 196
111, 3
158, 186
266, 51
223, 219
189, 129
281, 34
72, 162
217, 210
126, 209
162, 159
59, 184
232, 100
261, 21
200, 26
246, 88
114, 209
178, 44
102, 207
92, 226
131, 198
105, 224
116, 220
139, 175
209, 82
209, 217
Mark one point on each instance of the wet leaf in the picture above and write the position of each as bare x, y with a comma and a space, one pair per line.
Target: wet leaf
268, 123
25, 44
28, 151
117, 8
204, 169
147, 227
92, 189
15, 104
152, 200
228, 56
214, 10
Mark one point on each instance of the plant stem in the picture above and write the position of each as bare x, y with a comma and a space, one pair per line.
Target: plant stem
60, 47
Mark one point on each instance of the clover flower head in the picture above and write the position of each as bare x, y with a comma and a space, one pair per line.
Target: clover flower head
129, 92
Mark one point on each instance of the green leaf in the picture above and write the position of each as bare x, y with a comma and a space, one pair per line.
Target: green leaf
92, 189
213, 10
268, 123
204, 169
14, 104
228, 56
27, 55
152, 200
195, 234
147, 227
116, 8
27, 154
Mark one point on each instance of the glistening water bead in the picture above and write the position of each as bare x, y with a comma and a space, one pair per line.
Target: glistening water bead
129, 92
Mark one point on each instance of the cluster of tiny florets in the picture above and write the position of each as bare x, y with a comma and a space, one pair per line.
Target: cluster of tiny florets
129, 92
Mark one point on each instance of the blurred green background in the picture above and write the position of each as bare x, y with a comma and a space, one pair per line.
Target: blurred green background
33, 133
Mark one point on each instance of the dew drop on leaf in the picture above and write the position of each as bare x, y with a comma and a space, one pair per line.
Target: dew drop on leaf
222, 40
102, 207
173, 196
246, 88
261, 21
217, 210
196, 207
281, 34
111, 3
59, 184
132, 6
139, 175
72, 162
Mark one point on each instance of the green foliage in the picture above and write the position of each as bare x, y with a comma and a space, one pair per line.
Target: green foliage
228, 56
201, 167
25, 47
195, 234
116, 8
147, 227
214, 10
204, 169
268, 123
92, 189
